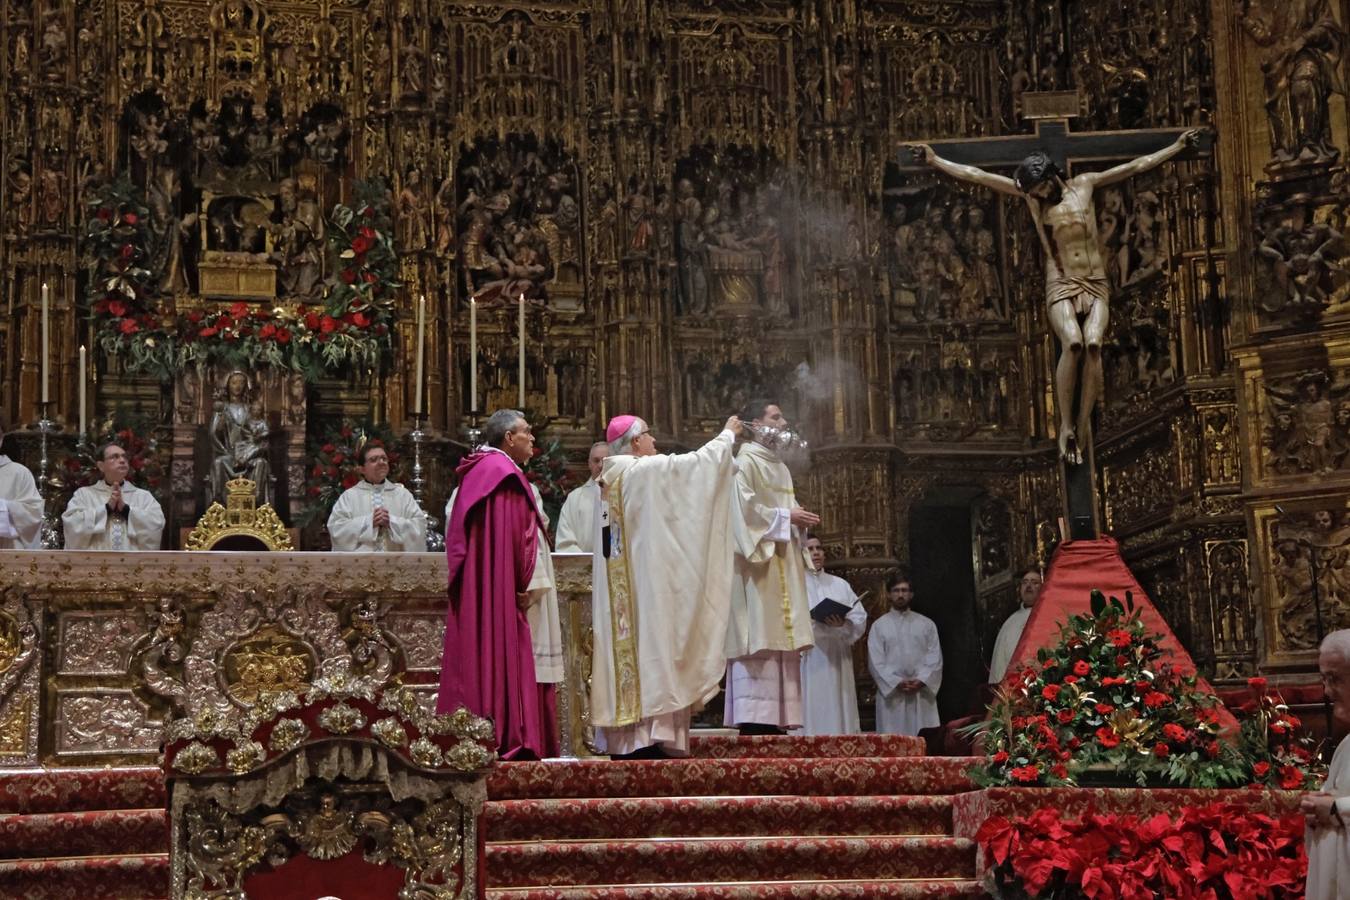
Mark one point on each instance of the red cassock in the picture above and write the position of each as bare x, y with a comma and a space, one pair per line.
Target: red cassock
488, 664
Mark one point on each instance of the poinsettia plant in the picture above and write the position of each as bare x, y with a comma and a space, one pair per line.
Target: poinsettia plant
352, 329
1280, 753
1203, 852
334, 467
1102, 699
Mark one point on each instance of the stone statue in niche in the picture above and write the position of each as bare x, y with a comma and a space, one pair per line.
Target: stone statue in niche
298, 239
1302, 47
1303, 435
412, 228
1324, 533
1302, 273
239, 440
170, 229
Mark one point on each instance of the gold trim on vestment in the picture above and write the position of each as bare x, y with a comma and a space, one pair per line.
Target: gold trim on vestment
787, 594
622, 616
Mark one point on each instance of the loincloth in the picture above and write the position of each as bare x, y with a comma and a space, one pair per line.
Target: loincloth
1080, 291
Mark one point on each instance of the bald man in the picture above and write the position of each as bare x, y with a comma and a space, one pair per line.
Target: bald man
578, 513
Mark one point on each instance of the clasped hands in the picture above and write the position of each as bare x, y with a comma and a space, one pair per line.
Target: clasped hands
1317, 810
115, 502
379, 518
910, 686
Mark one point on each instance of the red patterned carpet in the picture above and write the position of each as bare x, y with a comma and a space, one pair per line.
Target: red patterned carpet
742, 818
83, 834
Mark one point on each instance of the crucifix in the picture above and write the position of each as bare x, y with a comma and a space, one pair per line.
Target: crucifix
1077, 293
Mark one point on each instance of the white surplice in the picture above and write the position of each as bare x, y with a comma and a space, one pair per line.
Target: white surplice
903, 646
770, 615
576, 523
542, 614
1006, 643
351, 530
1329, 848
829, 698
89, 526
20, 506
661, 596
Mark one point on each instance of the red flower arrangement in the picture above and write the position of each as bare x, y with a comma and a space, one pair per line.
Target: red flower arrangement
547, 470
1101, 701
1206, 852
352, 330
1282, 756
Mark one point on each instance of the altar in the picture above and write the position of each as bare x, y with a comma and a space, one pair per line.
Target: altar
98, 650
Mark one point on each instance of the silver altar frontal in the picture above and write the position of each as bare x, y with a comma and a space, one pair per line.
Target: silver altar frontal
98, 650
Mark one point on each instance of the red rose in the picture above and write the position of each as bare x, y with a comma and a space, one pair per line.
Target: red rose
131, 218
1160, 750
1075, 743
1291, 778
117, 308
1048, 664
239, 309
1105, 709
195, 316
1001, 757
1278, 728
1113, 681
328, 448
1065, 716
1212, 750
1070, 679
1081, 668
332, 471
1107, 737
1257, 684
361, 244
208, 331
366, 232
1261, 769
1174, 732
1059, 770
267, 331
339, 458
360, 320
315, 491
283, 336
316, 472
1154, 699
348, 275
1050, 691
350, 481
312, 321
129, 326
224, 322
328, 325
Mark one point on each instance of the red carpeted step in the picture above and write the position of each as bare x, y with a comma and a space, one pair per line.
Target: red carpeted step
798, 747
617, 817
141, 877
110, 831
75, 789
729, 777
782, 890
684, 860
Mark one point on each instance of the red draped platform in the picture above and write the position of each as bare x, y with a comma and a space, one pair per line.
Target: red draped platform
1076, 570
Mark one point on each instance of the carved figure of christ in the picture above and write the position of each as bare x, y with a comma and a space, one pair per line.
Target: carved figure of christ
1076, 286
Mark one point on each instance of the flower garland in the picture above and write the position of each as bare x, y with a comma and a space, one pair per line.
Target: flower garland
1100, 698
1206, 851
333, 466
352, 329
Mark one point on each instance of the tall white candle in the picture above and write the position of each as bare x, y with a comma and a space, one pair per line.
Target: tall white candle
421, 341
83, 375
473, 354
46, 336
521, 373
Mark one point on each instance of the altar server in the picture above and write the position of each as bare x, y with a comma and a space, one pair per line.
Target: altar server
1028, 591
112, 513
577, 520
375, 515
905, 659
1328, 811
20, 503
829, 699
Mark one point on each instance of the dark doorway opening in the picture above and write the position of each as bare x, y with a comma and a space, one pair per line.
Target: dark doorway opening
944, 591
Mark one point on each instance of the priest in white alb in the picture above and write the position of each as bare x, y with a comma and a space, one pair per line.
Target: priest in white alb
1028, 592
662, 575
829, 699
770, 615
112, 513
577, 520
376, 515
905, 659
1327, 811
20, 503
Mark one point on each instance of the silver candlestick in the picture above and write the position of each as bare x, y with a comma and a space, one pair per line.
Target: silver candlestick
49, 536
435, 537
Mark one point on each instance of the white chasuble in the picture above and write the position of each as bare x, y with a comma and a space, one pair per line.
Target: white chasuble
542, 615
1329, 848
660, 596
20, 506
89, 526
1006, 643
829, 698
903, 646
349, 524
577, 520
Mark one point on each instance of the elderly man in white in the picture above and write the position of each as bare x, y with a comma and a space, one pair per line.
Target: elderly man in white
577, 521
1005, 645
112, 513
375, 515
1328, 811
20, 503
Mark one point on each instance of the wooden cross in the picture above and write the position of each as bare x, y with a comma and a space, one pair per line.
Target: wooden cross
1053, 137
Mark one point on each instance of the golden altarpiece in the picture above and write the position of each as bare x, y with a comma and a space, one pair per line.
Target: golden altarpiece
699, 203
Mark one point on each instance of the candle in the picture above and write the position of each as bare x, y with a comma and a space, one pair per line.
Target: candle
421, 340
521, 330
83, 364
46, 333
473, 354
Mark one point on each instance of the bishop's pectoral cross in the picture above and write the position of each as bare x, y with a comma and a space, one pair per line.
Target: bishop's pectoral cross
1063, 209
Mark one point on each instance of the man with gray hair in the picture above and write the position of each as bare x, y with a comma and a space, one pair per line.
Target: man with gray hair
503, 643
577, 520
20, 503
1328, 811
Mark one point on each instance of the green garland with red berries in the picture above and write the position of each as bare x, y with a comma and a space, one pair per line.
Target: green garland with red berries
351, 330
